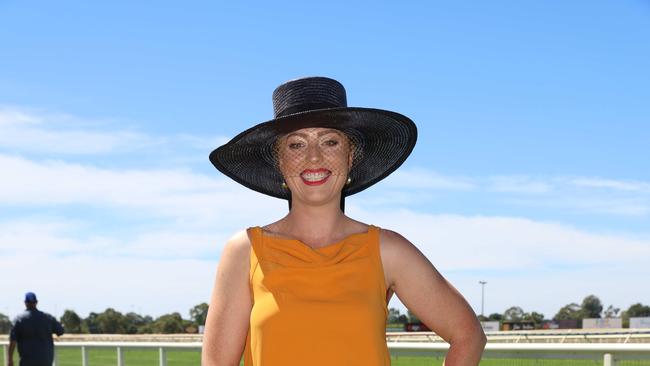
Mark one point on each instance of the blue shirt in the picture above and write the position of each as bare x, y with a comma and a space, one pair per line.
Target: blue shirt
32, 330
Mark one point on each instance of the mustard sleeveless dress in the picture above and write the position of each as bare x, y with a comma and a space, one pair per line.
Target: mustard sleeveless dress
324, 306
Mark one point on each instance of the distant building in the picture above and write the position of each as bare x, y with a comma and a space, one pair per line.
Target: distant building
602, 323
416, 327
490, 326
522, 325
562, 324
637, 323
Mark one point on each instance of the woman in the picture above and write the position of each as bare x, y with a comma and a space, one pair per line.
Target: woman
312, 288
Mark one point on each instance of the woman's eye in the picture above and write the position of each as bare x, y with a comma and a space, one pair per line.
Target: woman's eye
331, 142
295, 145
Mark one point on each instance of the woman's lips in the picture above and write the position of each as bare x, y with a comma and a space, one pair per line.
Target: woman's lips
314, 177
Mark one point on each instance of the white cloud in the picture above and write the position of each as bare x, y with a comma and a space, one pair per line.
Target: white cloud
177, 194
49, 133
203, 143
567, 194
506, 243
548, 291
31, 131
518, 184
618, 185
540, 266
427, 179
37, 235
60, 237
588, 203
91, 283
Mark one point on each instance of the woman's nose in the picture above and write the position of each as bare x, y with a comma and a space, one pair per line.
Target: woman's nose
314, 154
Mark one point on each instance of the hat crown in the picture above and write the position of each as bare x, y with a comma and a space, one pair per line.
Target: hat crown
307, 94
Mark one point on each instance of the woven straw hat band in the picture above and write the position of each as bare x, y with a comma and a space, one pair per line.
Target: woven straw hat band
308, 94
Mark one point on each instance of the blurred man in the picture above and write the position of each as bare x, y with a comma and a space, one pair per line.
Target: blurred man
32, 331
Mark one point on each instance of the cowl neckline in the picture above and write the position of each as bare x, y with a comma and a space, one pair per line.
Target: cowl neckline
296, 252
268, 236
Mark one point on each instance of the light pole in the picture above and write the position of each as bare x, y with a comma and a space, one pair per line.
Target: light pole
482, 296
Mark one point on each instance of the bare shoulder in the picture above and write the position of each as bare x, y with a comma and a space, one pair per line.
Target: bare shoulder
396, 253
394, 245
238, 243
235, 256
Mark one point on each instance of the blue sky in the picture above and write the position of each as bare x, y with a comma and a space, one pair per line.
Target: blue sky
531, 169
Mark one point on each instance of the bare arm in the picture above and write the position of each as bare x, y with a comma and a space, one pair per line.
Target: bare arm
226, 325
432, 299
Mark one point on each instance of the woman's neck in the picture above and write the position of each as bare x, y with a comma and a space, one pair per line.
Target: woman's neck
314, 225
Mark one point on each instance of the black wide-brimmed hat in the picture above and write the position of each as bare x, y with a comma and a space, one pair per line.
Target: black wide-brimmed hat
382, 139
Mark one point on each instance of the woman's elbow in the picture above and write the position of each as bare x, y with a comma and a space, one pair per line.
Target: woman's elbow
208, 357
482, 339
212, 359
479, 336
471, 337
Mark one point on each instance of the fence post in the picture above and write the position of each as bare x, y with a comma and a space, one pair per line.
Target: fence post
608, 360
163, 356
84, 356
120, 356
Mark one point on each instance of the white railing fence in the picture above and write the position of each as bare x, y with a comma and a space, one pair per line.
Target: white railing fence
608, 353
120, 347
540, 336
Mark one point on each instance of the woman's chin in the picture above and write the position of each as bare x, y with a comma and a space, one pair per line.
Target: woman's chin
317, 198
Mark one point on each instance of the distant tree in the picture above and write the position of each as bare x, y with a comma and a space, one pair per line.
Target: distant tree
133, 322
5, 324
169, 324
147, 327
111, 321
534, 317
396, 317
393, 315
635, 310
495, 316
513, 314
199, 313
90, 324
189, 326
591, 307
611, 312
482, 318
412, 318
638, 310
71, 321
570, 311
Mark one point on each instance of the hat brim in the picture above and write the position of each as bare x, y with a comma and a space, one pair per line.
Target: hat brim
384, 138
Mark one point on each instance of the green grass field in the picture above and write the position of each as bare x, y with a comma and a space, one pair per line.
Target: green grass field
108, 357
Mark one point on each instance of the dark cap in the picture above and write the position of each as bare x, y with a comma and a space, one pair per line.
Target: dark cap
30, 297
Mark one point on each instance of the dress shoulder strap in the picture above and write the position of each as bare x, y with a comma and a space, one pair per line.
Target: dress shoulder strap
255, 237
374, 233
373, 240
